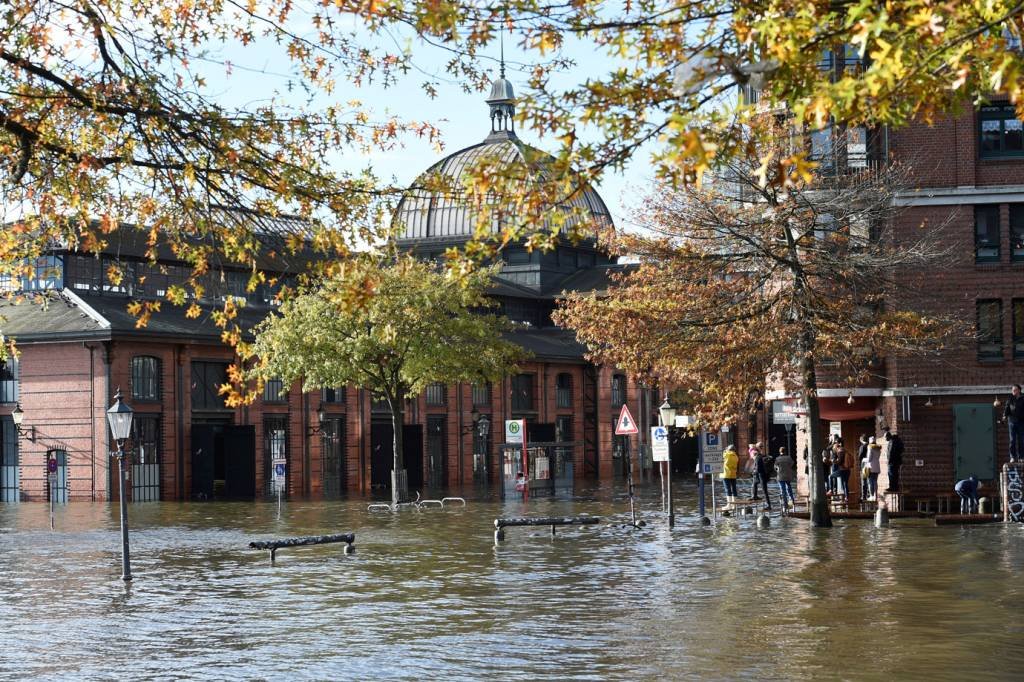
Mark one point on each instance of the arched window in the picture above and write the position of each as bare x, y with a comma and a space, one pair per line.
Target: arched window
563, 390
145, 378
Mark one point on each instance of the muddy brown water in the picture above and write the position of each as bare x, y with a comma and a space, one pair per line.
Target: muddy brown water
428, 596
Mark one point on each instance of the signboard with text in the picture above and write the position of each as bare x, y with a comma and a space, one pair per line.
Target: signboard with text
515, 430
714, 449
659, 443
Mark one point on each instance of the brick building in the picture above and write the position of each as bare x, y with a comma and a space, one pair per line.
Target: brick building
968, 174
83, 345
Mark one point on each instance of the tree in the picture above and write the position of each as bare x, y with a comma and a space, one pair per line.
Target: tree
749, 279
391, 326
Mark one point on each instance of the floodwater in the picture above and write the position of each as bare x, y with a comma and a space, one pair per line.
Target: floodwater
427, 595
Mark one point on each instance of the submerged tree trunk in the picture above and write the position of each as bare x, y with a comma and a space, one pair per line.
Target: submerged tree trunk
818, 504
399, 478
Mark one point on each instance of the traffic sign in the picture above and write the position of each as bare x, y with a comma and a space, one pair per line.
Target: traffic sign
51, 465
659, 443
515, 429
625, 425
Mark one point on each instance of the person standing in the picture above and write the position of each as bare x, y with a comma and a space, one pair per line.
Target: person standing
730, 461
862, 461
785, 472
1013, 415
967, 489
761, 474
895, 459
750, 469
874, 467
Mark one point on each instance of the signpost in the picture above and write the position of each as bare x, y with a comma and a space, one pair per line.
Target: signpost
515, 433
625, 425
280, 476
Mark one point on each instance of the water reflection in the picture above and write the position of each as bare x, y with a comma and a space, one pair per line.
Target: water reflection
428, 595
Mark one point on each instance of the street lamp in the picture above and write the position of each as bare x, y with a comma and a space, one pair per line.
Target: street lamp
668, 420
18, 416
119, 416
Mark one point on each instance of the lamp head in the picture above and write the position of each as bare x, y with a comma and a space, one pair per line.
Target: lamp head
119, 416
668, 413
18, 415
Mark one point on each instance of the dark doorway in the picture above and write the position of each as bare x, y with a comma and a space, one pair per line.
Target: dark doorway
437, 452
381, 454
223, 461
333, 432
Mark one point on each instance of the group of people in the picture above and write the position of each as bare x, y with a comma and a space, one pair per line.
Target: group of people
837, 460
761, 467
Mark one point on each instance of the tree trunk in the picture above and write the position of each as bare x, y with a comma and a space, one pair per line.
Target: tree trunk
399, 479
818, 505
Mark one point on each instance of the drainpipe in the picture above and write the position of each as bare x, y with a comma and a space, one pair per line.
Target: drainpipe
306, 481
180, 398
106, 432
92, 419
462, 436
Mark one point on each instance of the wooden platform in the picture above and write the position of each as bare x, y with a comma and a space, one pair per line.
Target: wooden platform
865, 515
965, 519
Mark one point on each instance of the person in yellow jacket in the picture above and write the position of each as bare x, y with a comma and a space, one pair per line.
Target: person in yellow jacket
730, 461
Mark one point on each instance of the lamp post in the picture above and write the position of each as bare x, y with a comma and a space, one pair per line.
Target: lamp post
119, 416
668, 419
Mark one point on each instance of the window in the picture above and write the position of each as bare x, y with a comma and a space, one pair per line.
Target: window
1017, 232
207, 378
435, 394
986, 233
822, 148
990, 330
147, 439
563, 390
522, 392
481, 394
273, 391
379, 403
618, 390
517, 256
1000, 132
563, 429
523, 312
9, 380
1018, 328
47, 273
333, 395
145, 378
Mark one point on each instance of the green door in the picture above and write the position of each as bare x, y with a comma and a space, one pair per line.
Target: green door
975, 450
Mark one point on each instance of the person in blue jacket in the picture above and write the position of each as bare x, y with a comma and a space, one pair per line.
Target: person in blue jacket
967, 489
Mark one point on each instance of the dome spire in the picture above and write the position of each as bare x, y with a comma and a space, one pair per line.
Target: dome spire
502, 102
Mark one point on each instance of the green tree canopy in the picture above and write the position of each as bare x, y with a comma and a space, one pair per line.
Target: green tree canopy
389, 326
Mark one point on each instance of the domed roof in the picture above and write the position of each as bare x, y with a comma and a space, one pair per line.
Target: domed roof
446, 213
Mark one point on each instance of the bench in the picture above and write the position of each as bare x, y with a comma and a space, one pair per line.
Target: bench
274, 545
501, 524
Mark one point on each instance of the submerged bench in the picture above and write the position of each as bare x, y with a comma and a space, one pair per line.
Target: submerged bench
274, 545
554, 521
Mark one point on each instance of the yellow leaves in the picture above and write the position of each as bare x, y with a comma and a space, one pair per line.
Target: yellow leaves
193, 311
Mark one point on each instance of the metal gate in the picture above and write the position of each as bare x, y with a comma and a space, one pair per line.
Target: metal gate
975, 440
333, 443
9, 484
146, 460
58, 489
437, 452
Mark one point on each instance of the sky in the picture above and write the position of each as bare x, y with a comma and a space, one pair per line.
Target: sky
463, 118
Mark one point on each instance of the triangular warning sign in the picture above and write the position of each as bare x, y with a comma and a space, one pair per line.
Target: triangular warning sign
625, 425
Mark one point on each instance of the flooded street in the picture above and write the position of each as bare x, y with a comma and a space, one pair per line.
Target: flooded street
427, 595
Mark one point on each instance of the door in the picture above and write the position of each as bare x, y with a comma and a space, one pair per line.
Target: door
333, 444
412, 447
381, 448
9, 486
975, 447
203, 456
239, 462
58, 482
437, 452
145, 459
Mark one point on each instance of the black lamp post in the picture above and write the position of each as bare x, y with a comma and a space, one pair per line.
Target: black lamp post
119, 416
668, 420
483, 429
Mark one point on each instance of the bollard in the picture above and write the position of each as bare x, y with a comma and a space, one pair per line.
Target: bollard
747, 511
705, 521
764, 521
984, 506
881, 517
